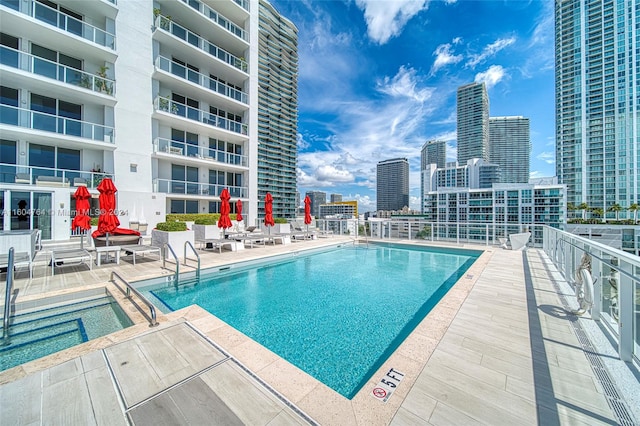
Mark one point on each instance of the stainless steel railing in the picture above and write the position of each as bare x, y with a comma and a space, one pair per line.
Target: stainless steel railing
129, 289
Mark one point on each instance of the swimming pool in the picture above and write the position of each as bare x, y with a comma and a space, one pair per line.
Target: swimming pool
52, 327
337, 314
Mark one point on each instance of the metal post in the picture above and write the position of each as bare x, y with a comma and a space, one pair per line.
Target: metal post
626, 304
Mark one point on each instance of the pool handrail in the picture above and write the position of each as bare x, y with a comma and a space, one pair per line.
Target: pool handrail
175, 256
7, 297
188, 243
152, 320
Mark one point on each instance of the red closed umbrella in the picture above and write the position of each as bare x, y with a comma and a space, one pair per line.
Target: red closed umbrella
224, 222
107, 221
239, 210
82, 219
268, 211
307, 210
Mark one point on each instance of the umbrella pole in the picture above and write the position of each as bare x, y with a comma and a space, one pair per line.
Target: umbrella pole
107, 239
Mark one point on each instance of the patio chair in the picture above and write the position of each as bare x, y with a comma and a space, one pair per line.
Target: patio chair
19, 259
67, 257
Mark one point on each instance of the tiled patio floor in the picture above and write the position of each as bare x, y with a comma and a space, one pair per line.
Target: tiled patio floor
499, 349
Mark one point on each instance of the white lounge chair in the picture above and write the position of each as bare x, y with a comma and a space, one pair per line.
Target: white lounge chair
19, 259
70, 257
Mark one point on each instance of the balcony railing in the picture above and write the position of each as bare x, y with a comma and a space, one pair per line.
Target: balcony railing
217, 18
36, 120
243, 4
168, 186
205, 81
36, 65
202, 152
67, 23
200, 43
30, 175
191, 113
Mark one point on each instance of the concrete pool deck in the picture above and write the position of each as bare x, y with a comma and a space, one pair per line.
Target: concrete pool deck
499, 348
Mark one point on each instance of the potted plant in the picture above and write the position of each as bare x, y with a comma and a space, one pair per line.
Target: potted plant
175, 234
101, 83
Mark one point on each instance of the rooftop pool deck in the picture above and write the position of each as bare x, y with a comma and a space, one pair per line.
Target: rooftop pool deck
499, 348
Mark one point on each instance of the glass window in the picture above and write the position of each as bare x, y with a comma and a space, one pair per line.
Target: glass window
191, 206
177, 206
8, 56
42, 156
68, 159
7, 156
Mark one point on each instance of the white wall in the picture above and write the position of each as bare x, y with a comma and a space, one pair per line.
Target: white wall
135, 97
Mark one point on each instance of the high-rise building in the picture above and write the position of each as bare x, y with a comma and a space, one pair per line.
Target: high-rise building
277, 110
160, 96
433, 152
473, 122
335, 198
598, 102
317, 198
392, 184
510, 148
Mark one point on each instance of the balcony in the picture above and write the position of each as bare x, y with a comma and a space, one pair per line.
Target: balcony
203, 153
35, 120
215, 17
202, 80
198, 42
196, 189
62, 21
38, 66
194, 114
51, 177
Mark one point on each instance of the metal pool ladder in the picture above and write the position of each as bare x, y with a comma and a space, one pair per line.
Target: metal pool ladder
7, 299
188, 243
152, 319
164, 258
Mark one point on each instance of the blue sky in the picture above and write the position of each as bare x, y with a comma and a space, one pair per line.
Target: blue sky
378, 78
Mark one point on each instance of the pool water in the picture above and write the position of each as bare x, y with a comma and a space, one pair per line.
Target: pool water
339, 314
47, 330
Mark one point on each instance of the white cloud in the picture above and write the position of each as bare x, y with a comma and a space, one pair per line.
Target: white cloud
386, 19
444, 56
492, 76
365, 132
332, 174
547, 157
403, 84
490, 50
301, 142
365, 203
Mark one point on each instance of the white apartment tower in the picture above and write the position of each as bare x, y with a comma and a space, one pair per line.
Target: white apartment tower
161, 96
473, 122
598, 102
510, 148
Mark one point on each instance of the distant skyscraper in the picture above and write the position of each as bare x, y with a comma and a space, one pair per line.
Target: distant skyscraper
433, 152
336, 198
510, 147
473, 122
598, 102
317, 198
393, 184
277, 110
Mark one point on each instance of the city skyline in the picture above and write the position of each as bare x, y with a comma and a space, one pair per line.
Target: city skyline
379, 79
